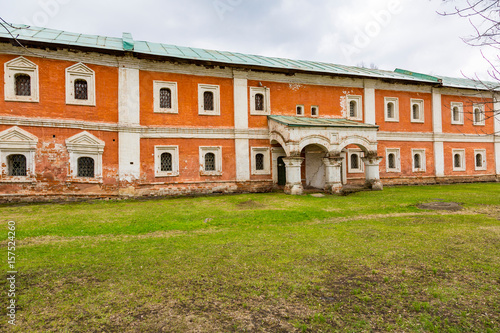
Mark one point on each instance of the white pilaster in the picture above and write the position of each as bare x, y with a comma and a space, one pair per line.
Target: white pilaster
129, 140
437, 114
496, 108
369, 102
439, 158
242, 145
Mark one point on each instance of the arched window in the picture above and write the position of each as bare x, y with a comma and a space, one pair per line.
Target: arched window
354, 161
417, 163
81, 89
209, 162
477, 116
23, 85
165, 98
208, 101
16, 165
166, 162
456, 114
479, 160
352, 109
299, 110
314, 111
86, 167
259, 162
416, 111
259, 102
457, 161
390, 110
392, 161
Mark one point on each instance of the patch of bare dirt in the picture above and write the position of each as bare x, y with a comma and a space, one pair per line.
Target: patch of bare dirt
441, 205
249, 204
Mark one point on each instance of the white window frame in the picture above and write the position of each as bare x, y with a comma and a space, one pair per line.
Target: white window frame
16, 141
483, 156
157, 86
174, 151
317, 110
266, 151
359, 107
396, 153
460, 107
423, 161
80, 72
303, 110
395, 101
85, 144
267, 100
215, 89
20, 65
360, 154
483, 115
217, 151
420, 103
460, 152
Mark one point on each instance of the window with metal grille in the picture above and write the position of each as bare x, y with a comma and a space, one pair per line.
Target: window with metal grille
456, 114
479, 160
352, 109
392, 161
354, 161
390, 110
81, 89
478, 116
166, 162
165, 98
86, 167
16, 165
209, 162
457, 161
259, 162
259, 102
23, 85
416, 112
208, 101
417, 163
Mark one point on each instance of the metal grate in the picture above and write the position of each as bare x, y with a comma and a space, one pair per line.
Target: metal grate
259, 102
259, 162
23, 85
352, 109
209, 162
457, 161
86, 167
208, 101
17, 165
81, 89
479, 160
392, 161
354, 161
416, 161
165, 98
166, 162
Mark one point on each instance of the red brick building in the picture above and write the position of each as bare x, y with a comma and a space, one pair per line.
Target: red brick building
99, 116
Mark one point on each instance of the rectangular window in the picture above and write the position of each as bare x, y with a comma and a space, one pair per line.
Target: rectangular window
354, 108
21, 80
208, 100
355, 162
166, 161
478, 115
210, 161
261, 161
480, 159
392, 160
260, 103
80, 85
299, 110
418, 160
314, 111
457, 113
391, 109
165, 97
417, 110
458, 159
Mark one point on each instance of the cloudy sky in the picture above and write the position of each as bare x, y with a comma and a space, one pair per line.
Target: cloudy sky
391, 34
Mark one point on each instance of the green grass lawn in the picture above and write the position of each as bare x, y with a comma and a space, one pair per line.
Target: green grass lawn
371, 261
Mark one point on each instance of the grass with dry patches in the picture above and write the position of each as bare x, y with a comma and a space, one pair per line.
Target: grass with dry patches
370, 261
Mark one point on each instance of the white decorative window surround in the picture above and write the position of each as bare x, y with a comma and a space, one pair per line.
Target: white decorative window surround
355, 163
417, 110
211, 161
85, 144
165, 97
17, 145
314, 111
80, 78
478, 114
457, 113
391, 107
299, 110
16, 69
166, 161
208, 100
261, 161
480, 159
458, 159
392, 160
418, 160
260, 101
354, 108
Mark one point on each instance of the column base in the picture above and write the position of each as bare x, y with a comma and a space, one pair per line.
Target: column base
374, 185
294, 189
334, 188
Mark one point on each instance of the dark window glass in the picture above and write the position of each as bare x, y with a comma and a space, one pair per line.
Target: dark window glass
208, 101
354, 161
23, 85
477, 115
392, 161
299, 110
16, 165
314, 111
390, 110
81, 89
166, 162
416, 161
165, 98
259, 162
479, 160
416, 112
457, 161
259, 102
209, 162
352, 109
86, 167
456, 114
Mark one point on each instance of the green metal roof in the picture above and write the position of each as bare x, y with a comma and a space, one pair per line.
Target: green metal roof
128, 44
453, 82
318, 122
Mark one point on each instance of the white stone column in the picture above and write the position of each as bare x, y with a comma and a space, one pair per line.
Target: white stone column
242, 146
293, 175
369, 102
496, 108
437, 126
333, 176
372, 172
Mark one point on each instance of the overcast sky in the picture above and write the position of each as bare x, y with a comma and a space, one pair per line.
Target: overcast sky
391, 34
